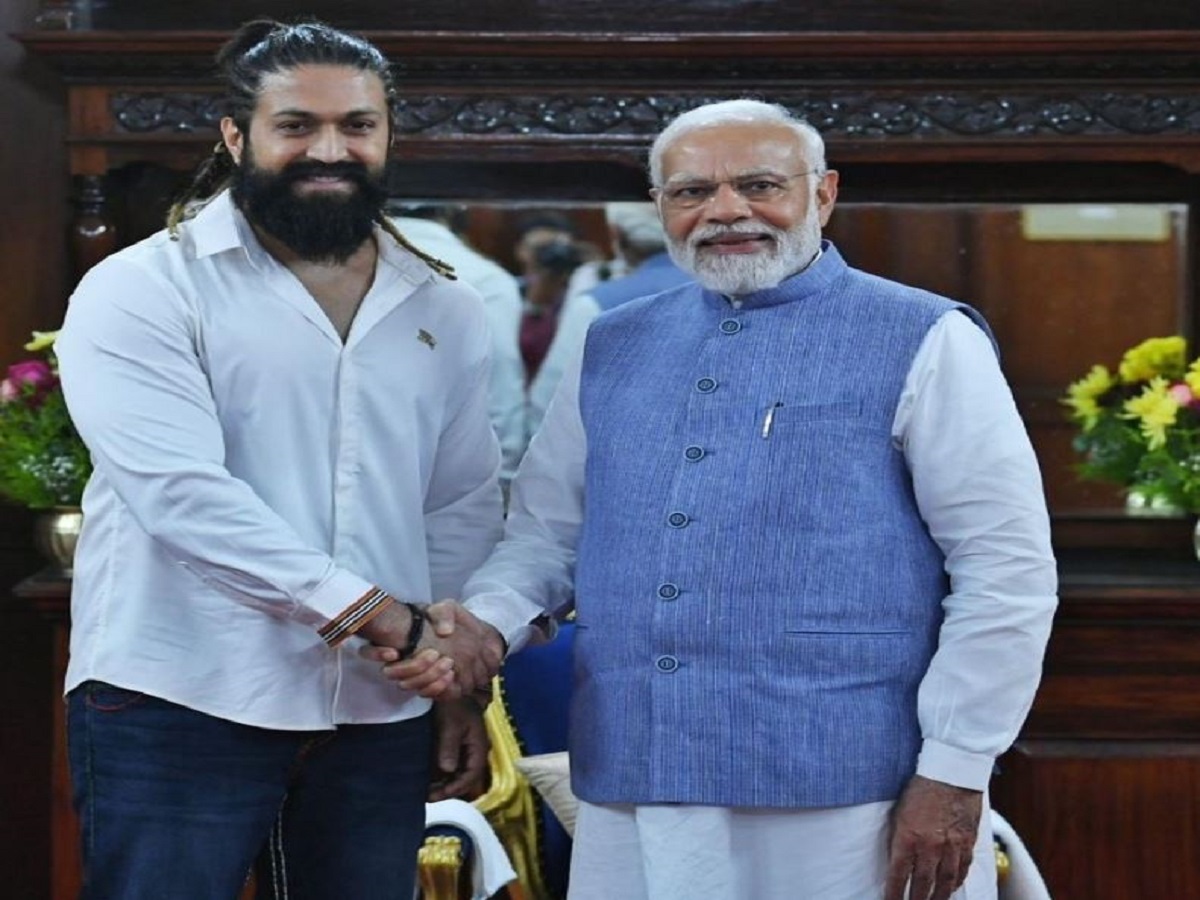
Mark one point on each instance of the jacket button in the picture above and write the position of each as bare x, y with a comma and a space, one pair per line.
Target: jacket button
667, 663
668, 591
731, 326
693, 453
677, 519
706, 385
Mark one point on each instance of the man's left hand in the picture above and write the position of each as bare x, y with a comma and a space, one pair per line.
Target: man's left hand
462, 748
934, 826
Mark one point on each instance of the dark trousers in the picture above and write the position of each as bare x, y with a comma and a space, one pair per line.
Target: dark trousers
179, 805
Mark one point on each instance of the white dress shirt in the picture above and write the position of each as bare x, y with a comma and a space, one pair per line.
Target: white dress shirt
501, 295
256, 474
978, 488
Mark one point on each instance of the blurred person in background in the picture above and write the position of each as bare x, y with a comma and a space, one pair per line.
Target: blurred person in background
640, 248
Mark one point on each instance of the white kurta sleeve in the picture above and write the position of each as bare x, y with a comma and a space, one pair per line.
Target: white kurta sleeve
532, 570
979, 490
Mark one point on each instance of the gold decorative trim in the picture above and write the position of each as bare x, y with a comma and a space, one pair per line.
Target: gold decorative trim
439, 866
509, 803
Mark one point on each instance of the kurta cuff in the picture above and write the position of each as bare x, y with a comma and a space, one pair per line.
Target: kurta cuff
961, 768
511, 615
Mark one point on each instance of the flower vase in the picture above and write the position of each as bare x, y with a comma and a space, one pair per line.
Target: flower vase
55, 533
1138, 504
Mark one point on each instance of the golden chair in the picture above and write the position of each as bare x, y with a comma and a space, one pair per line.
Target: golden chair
440, 869
510, 808
528, 717
510, 805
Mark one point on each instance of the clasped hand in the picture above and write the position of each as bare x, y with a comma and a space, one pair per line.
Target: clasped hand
457, 655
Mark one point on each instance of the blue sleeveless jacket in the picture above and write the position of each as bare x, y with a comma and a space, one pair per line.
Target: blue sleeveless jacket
757, 595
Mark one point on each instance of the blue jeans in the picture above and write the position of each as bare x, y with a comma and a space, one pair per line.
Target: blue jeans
179, 805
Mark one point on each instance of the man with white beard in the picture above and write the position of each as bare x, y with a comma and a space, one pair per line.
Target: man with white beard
813, 577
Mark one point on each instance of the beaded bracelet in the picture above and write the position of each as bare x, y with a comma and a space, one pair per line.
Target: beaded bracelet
415, 630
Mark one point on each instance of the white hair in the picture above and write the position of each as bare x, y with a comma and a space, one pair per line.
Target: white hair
735, 112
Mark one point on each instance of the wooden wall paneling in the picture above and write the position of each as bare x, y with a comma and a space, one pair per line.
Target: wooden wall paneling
1104, 783
33, 201
666, 16
1106, 822
917, 244
1058, 308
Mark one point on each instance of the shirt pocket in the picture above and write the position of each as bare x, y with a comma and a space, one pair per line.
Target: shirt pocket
787, 414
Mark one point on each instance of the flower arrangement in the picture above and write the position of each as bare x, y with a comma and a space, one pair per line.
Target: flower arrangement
43, 462
1140, 426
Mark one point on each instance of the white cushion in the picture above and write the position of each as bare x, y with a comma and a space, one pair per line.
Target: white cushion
550, 775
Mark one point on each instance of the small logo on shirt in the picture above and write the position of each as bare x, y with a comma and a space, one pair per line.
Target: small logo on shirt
426, 338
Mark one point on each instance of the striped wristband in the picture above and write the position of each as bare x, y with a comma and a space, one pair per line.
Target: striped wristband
355, 616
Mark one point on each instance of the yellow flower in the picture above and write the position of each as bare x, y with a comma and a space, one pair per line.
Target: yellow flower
42, 340
1192, 378
1166, 356
1082, 396
1155, 409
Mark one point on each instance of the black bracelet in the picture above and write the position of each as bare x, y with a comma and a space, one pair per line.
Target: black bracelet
415, 629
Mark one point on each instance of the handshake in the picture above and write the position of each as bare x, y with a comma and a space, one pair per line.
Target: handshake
455, 656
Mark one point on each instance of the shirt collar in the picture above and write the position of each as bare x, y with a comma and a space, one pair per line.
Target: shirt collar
221, 226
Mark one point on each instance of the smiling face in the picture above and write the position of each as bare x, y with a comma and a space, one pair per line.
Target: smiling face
311, 169
762, 222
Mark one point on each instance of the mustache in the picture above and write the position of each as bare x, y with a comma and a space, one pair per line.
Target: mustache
298, 171
709, 232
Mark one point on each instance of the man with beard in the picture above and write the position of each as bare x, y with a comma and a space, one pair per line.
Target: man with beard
287, 408
812, 575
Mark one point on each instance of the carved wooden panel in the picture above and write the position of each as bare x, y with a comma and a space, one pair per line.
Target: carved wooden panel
665, 16
836, 113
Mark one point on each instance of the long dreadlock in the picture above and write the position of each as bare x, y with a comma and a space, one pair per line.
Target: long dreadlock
262, 47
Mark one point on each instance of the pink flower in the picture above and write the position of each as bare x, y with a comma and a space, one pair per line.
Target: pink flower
1181, 394
33, 379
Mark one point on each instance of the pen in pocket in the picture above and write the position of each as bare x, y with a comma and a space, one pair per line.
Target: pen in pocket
769, 419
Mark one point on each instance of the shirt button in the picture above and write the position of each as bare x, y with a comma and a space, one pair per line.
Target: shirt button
668, 591
706, 385
667, 663
693, 453
731, 326
677, 519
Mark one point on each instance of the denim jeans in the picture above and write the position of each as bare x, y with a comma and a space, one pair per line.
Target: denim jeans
179, 805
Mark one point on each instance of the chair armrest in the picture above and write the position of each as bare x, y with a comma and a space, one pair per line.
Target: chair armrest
509, 802
440, 867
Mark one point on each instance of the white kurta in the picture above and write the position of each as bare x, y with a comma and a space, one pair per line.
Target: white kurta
679, 852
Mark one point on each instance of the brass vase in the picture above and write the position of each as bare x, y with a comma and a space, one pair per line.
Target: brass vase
55, 533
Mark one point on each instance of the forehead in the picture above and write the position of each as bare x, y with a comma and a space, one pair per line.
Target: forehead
730, 149
321, 90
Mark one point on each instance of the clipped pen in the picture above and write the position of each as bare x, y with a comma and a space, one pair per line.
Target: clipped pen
769, 419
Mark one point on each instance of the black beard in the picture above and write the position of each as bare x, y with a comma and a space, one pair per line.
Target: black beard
318, 228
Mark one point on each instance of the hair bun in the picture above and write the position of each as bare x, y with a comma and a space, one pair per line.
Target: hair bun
246, 38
